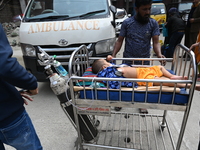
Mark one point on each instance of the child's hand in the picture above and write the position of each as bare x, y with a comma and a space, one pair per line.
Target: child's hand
109, 58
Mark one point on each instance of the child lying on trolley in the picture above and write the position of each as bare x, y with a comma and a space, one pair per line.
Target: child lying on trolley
105, 69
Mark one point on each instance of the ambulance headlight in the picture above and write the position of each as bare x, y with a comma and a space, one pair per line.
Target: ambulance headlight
105, 46
28, 50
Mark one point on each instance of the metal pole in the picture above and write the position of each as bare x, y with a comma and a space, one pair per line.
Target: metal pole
127, 5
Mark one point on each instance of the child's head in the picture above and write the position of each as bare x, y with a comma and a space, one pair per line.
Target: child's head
99, 65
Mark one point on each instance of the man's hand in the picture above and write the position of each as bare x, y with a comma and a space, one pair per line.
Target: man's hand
26, 95
163, 62
109, 58
33, 92
191, 20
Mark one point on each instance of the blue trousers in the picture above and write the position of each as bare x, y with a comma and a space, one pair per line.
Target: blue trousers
20, 134
175, 39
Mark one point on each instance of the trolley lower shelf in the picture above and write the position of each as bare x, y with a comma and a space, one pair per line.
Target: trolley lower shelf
124, 130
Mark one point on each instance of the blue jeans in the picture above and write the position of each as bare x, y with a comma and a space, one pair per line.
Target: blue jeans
20, 134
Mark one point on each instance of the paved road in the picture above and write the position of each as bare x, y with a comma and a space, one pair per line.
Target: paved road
57, 133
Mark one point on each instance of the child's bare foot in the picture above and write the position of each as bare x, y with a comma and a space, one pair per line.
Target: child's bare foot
197, 87
178, 77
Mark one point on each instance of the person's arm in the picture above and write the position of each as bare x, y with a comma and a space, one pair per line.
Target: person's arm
197, 16
33, 92
194, 45
109, 58
118, 45
26, 95
157, 48
11, 71
128, 72
122, 35
192, 20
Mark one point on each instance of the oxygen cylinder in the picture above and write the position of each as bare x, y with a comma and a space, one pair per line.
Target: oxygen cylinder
58, 86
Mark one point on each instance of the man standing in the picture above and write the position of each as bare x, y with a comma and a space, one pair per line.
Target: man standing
16, 128
138, 31
176, 30
193, 24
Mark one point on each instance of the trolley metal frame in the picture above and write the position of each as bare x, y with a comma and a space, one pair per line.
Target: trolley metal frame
119, 130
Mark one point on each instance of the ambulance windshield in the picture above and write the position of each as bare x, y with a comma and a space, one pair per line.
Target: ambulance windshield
66, 9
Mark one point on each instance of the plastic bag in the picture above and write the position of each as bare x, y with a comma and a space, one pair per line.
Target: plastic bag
165, 31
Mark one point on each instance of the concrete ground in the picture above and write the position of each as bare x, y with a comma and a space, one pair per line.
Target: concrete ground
57, 133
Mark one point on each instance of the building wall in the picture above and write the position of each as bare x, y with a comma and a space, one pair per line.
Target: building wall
9, 9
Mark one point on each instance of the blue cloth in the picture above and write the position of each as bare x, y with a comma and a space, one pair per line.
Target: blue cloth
138, 37
175, 39
12, 75
23, 129
110, 72
176, 27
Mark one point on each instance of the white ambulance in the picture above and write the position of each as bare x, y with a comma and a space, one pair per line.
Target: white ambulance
60, 26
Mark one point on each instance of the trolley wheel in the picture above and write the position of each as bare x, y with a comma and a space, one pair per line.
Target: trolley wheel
127, 139
118, 108
162, 126
97, 123
126, 116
